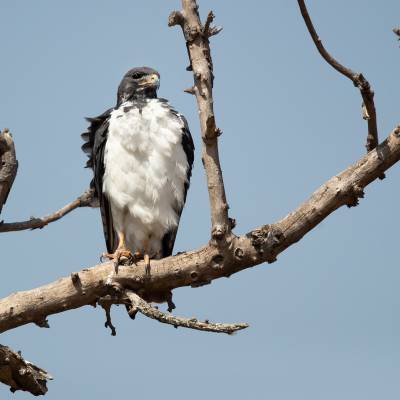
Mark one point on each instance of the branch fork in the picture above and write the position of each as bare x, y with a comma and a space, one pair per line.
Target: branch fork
135, 303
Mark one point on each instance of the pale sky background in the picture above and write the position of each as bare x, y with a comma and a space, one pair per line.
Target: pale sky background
324, 319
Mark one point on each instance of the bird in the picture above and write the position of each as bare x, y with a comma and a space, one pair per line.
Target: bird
141, 152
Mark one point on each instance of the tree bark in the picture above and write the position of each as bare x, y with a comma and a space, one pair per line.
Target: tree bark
20, 374
198, 47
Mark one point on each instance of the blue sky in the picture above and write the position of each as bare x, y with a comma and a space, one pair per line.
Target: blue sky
324, 320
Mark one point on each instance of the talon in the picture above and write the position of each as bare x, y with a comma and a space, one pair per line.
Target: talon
118, 254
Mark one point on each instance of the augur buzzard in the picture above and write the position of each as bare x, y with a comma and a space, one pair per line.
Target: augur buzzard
141, 152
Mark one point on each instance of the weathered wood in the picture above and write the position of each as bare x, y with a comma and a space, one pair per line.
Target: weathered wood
138, 304
198, 47
20, 374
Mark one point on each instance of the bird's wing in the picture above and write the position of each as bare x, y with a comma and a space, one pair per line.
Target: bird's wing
95, 140
188, 147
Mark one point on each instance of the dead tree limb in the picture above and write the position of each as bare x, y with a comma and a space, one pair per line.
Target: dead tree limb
8, 165
198, 46
86, 199
358, 79
20, 374
138, 304
200, 267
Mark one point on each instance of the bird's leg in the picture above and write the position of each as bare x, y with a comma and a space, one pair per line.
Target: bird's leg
121, 251
146, 257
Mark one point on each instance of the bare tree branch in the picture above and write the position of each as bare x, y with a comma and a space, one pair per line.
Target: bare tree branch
200, 267
146, 309
20, 374
369, 112
198, 47
8, 165
86, 199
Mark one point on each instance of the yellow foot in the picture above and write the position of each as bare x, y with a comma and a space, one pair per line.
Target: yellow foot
118, 255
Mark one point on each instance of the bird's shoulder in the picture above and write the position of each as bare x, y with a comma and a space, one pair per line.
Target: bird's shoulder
95, 134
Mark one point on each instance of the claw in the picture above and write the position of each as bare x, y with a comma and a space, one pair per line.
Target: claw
118, 255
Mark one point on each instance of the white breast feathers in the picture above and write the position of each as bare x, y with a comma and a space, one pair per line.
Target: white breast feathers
145, 173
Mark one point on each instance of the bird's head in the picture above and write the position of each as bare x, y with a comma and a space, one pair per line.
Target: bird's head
140, 82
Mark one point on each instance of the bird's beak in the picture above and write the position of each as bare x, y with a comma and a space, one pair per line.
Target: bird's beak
152, 80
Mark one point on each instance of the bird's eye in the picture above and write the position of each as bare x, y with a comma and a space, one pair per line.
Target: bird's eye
138, 75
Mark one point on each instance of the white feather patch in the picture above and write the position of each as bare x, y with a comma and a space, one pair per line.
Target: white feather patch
145, 173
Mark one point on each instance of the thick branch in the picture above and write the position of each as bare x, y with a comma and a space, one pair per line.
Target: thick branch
8, 165
146, 309
369, 112
198, 47
84, 200
20, 374
200, 267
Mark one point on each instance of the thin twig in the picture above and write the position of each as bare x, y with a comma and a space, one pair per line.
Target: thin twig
84, 200
209, 30
357, 78
146, 309
20, 374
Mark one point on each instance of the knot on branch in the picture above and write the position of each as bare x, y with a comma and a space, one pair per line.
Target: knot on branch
190, 90
363, 85
217, 262
176, 18
356, 193
219, 233
265, 240
212, 132
42, 323
88, 199
396, 132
